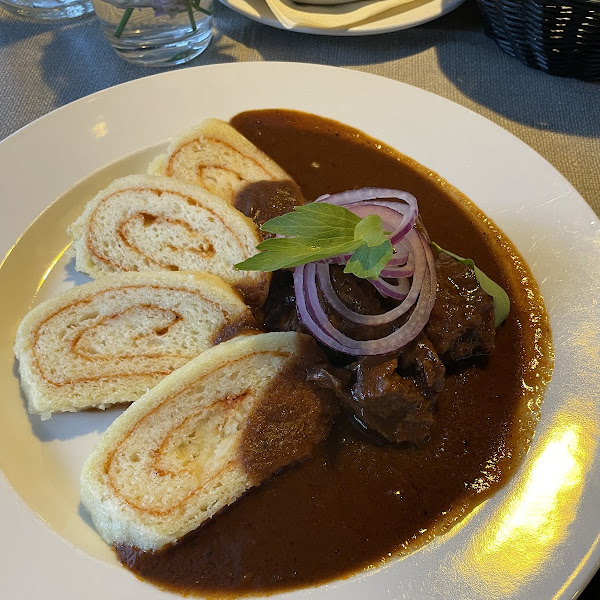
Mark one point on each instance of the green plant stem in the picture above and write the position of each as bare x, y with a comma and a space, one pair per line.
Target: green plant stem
123, 22
197, 6
190, 12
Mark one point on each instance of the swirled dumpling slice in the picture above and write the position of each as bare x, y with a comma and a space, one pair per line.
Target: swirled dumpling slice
223, 423
145, 223
215, 156
109, 341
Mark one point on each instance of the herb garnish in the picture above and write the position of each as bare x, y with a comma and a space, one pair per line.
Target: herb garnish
318, 231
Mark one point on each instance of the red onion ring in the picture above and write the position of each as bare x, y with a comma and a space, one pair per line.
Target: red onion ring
307, 300
381, 319
397, 291
405, 270
362, 194
412, 259
400, 257
375, 197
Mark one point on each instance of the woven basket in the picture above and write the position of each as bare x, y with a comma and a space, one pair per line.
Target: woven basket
561, 38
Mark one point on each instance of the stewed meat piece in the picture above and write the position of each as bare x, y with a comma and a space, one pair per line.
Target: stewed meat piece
280, 312
391, 395
396, 395
385, 401
421, 360
461, 324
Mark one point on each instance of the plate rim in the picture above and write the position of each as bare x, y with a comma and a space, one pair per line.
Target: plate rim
259, 11
582, 576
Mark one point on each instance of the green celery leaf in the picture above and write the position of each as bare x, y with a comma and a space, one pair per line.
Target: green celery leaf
501, 300
303, 250
370, 230
367, 262
281, 253
317, 231
318, 221
263, 261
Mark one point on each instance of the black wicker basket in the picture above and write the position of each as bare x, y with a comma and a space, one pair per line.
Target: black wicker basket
561, 38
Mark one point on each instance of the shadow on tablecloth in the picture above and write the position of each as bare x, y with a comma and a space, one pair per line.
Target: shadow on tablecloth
46, 65
470, 61
518, 92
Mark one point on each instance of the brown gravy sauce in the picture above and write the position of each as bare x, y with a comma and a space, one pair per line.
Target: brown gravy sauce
243, 326
354, 504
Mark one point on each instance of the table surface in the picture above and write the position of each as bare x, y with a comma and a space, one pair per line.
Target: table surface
46, 65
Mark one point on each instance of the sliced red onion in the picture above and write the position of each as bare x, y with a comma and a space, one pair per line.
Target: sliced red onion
389, 316
375, 199
398, 272
399, 228
412, 267
392, 219
406, 270
362, 194
400, 259
400, 256
397, 291
320, 326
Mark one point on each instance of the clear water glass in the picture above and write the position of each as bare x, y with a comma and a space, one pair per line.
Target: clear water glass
48, 9
156, 33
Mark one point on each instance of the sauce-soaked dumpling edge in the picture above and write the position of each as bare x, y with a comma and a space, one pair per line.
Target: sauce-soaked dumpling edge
202, 437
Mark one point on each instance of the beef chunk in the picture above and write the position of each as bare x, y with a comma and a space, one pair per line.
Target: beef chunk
382, 400
396, 406
331, 378
421, 360
396, 396
461, 324
280, 312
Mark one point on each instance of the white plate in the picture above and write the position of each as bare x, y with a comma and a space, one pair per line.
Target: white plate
536, 539
402, 17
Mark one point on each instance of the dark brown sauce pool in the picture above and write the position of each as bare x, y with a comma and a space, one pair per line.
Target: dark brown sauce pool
354, 504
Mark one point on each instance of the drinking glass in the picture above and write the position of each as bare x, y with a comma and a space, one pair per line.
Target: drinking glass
48, 9
156, 33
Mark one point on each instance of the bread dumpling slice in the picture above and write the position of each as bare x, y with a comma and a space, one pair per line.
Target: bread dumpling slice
144, 223
109, 341
217, 157
207, 433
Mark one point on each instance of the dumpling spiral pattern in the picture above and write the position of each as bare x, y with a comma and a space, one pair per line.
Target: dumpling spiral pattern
110, 340
217, 157
144, 223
